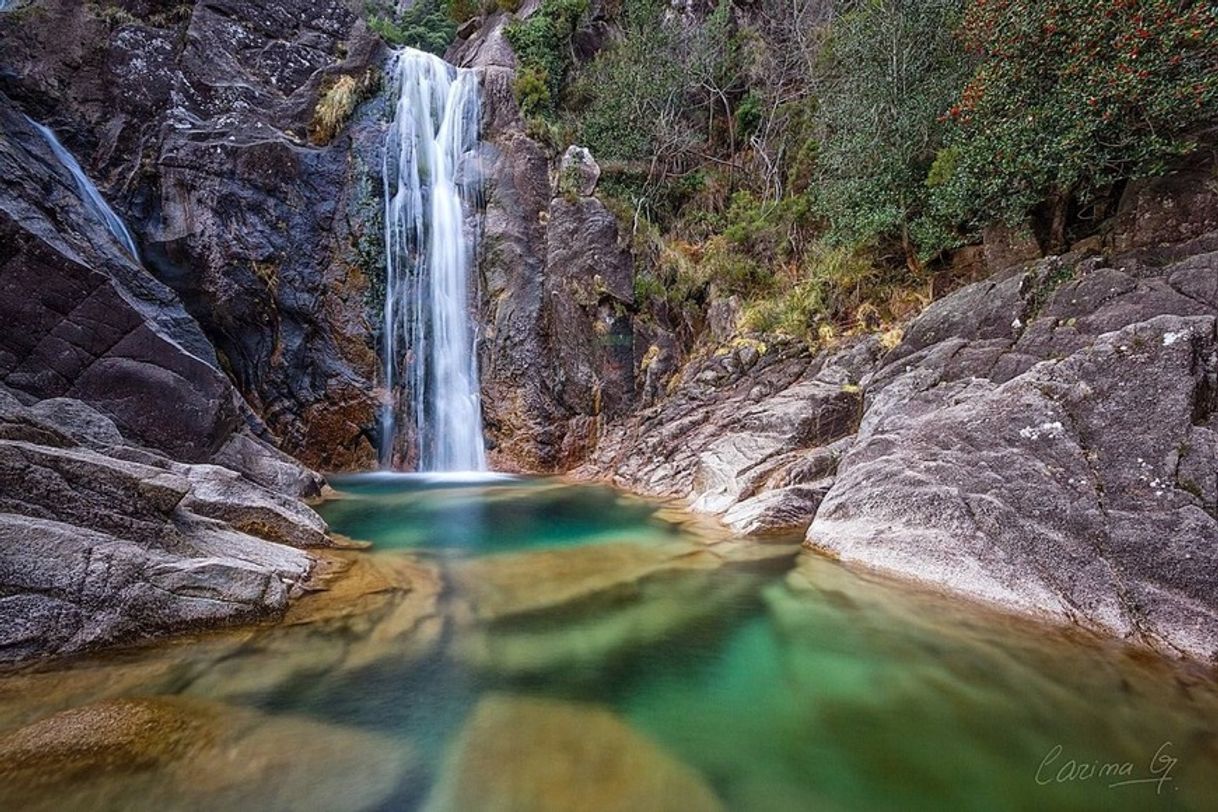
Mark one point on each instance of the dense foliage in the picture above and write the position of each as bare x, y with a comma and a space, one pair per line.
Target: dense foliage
813, 157
819, 158
428, 25
890, 70
665, 94
542, 43
1068, 98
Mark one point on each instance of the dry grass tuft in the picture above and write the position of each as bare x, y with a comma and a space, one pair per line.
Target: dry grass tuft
338, 101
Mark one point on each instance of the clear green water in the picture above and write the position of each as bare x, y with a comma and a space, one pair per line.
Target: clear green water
477, 515
777, 681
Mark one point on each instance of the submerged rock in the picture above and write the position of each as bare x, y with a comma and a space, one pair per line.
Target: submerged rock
171, 753
363, 611
580, 608
521, 754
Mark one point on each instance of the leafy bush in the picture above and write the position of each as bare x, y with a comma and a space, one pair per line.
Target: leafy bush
656, 93
893, 67
462, 10
542, 44
428, 25
532, 91
1069, 97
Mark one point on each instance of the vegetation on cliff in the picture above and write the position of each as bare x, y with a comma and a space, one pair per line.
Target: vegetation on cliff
428, 25
822, 159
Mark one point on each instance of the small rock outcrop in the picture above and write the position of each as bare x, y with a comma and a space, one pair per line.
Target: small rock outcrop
750, 432
578, 172
107, 543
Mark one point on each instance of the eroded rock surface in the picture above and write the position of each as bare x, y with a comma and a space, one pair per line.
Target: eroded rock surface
139, 495
557, 352
108, 543
751, 432
194, 119
1080, 488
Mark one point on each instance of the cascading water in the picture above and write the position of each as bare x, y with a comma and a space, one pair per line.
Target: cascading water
431, 185
88, 192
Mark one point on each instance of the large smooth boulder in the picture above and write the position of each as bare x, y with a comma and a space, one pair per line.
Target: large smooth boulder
68, 589
1080, 489
523, 754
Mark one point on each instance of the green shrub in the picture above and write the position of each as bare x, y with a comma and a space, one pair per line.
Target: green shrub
1070, 97
748, 115
542, 44
532, 91
428, 25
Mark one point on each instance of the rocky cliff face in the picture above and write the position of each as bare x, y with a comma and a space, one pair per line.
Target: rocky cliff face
557, 354
1043, 439
194, 120
135, 497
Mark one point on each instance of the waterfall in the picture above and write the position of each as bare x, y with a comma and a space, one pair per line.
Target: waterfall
88, 192
431, 186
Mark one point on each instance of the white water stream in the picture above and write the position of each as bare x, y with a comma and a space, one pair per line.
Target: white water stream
92, 198
431, 369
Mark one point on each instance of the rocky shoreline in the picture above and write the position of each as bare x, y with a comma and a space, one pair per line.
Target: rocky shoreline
1042, 440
